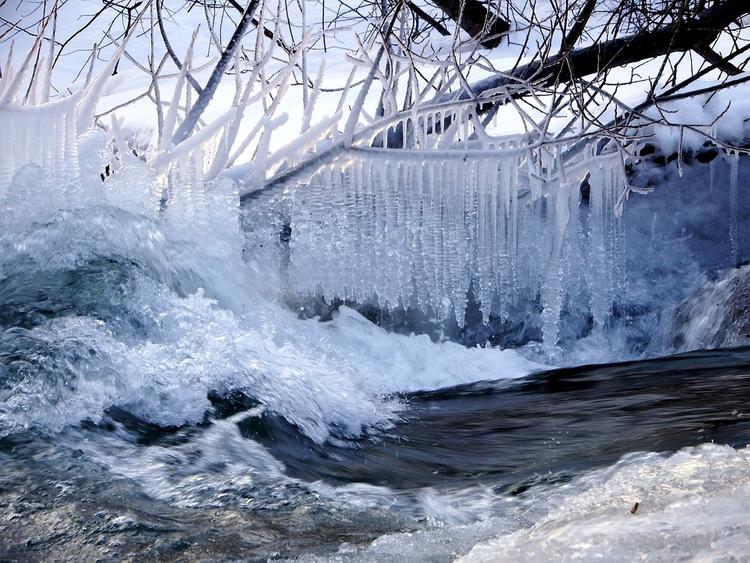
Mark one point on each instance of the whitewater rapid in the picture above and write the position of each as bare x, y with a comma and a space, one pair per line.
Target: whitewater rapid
144, 358
104, 310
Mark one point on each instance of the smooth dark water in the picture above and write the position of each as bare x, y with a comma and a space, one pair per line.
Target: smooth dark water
554, 423
60, 499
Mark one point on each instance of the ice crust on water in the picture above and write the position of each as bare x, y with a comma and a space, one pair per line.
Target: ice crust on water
413, 229
693, 505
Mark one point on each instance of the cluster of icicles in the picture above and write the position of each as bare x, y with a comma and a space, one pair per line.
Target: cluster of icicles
402, 229
47, 166
421, 227
52, 157
45, 135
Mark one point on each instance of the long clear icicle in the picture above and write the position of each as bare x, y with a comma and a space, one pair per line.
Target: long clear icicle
417, 227
734, 160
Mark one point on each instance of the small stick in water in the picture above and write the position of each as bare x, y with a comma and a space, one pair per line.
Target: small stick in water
635, 508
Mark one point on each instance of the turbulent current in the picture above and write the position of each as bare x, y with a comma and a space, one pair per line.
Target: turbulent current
555, 373
156, 402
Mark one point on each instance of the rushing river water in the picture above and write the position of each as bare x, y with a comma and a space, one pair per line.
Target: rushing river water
471, 461
156, 403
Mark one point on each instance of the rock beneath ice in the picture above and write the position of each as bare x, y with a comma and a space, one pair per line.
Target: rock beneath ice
717, 315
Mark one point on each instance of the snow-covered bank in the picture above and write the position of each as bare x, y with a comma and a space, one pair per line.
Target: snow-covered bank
692, 504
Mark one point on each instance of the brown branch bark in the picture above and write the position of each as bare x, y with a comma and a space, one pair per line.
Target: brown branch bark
476, 20
715, 59
600, 57
428, 18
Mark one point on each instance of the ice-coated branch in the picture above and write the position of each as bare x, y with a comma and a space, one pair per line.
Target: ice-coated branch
47, 84
170, 119
192, 143
351, 122
14, 81
92, 92
310, 106
200, 105
292, 150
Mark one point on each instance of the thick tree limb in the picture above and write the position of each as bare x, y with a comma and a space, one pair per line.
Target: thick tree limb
714, 58
476, 20
600, 57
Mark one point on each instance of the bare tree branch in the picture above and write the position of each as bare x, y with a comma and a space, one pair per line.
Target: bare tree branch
172, 54
476, 20
200, 105
599, 57
579, 26
714, 58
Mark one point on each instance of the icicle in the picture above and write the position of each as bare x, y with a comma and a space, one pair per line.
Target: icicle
503, 265
7, 162
483, 288
47, 142
535, 181
513, 238
403, 192
553, 292
599, 281
428, 236
458, 263
71, 147
373, 219
392, 241
408, 229
734, 159
489, 272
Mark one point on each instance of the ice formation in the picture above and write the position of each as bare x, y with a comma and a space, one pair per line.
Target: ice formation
734, 161
421, 209
419, 226
55, 157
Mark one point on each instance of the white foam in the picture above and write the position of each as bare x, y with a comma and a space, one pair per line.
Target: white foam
692, 504
208, 327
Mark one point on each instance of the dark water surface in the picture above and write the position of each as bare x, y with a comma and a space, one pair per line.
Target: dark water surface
552, 423
58, 499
